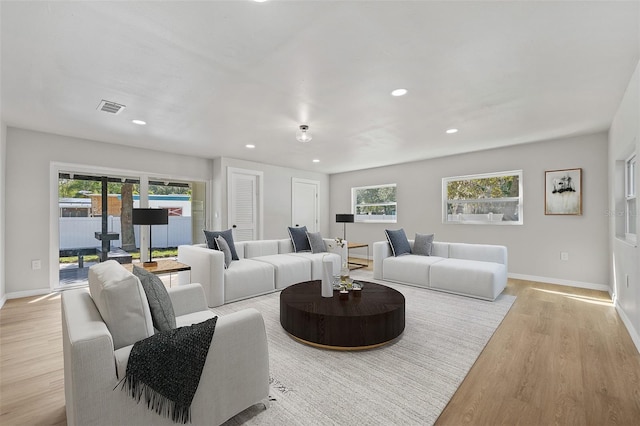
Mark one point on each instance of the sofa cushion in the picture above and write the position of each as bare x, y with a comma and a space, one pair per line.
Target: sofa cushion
484, 280
316, 260
316, 242
194, 318
224, 248
260, 248
160, 304
423, 245
227, 235
483, 252
398, 241
299, 239
288, 269
122, 303
247, 278
409, 269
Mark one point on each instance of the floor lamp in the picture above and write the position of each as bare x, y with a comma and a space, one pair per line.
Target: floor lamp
344, 219
150, 217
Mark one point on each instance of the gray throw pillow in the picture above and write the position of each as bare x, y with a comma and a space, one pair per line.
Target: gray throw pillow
228, 237
423, 244
299, 239
162, 314
316, 242
398, 241
224, 248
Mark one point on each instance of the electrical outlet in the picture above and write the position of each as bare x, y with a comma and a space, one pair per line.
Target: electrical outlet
36, 264
564, 255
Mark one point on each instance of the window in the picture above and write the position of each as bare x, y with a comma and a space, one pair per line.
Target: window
489, 198
630, 193
375, 203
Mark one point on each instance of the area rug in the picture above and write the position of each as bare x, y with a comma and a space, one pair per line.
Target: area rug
406, 382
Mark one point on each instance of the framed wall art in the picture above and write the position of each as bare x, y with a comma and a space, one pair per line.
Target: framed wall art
563, 192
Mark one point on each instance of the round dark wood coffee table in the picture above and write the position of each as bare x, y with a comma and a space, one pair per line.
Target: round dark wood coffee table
371, 320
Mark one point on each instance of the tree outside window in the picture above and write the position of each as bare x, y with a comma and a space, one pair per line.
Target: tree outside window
490, 198
375, 203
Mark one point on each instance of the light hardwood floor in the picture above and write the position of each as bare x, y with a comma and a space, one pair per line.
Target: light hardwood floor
561, 356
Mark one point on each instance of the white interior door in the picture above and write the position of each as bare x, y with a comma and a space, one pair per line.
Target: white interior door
243, 198
305, 204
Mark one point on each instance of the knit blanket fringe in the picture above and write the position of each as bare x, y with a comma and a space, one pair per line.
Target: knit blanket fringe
157, 402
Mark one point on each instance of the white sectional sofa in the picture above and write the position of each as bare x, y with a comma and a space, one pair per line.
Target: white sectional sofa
263, 266
476, 270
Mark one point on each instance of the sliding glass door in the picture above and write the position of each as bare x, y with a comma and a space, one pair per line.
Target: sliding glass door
94, 215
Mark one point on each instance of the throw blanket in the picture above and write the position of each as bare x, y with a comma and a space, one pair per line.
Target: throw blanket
166, 368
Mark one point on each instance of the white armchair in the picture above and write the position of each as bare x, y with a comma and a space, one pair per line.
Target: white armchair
235, 375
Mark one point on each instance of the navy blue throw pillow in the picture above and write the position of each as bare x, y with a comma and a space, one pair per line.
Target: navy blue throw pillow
398, 241
299, 239
228, 237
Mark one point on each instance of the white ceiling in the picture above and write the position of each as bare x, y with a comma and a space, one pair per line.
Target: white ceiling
211, 76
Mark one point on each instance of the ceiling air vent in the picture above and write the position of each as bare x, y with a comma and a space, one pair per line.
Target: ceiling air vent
110, 107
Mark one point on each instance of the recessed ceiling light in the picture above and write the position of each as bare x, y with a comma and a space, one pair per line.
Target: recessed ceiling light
250, 146
399, 92
259, 1
452, 131
139, 122
315, 160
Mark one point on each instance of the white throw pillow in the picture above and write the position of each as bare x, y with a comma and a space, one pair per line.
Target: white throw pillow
122, 303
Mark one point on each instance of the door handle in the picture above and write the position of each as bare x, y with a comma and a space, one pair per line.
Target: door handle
234, 226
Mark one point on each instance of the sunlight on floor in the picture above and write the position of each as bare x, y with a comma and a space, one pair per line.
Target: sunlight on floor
603, 301
50, 296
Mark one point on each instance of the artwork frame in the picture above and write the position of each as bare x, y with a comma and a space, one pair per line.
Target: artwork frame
563, 192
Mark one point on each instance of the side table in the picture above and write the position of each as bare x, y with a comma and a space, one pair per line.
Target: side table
357, 265
164, 266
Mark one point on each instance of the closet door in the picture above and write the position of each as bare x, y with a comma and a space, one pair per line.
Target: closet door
305, 204
244, 201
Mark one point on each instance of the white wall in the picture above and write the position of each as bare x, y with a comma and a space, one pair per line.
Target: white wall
277, 195
3, 145
534, 248
624, 138
28, 158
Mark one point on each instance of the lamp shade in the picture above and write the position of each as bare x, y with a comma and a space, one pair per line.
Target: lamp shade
344, 218
150, 216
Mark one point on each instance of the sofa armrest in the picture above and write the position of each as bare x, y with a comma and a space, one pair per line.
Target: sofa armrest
88, 356
187, 299
207, 268
381, 250
236, 373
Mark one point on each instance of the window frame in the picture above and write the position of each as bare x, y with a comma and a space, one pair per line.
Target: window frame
354, 205
630, 195
474, 221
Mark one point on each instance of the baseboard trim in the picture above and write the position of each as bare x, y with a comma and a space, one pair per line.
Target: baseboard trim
635, 337
2, 301
558, 281
28, 293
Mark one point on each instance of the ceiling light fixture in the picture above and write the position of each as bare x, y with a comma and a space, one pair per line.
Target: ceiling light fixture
399, 92
452, 131
315, 160
250, 146
139, 122
303, 135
